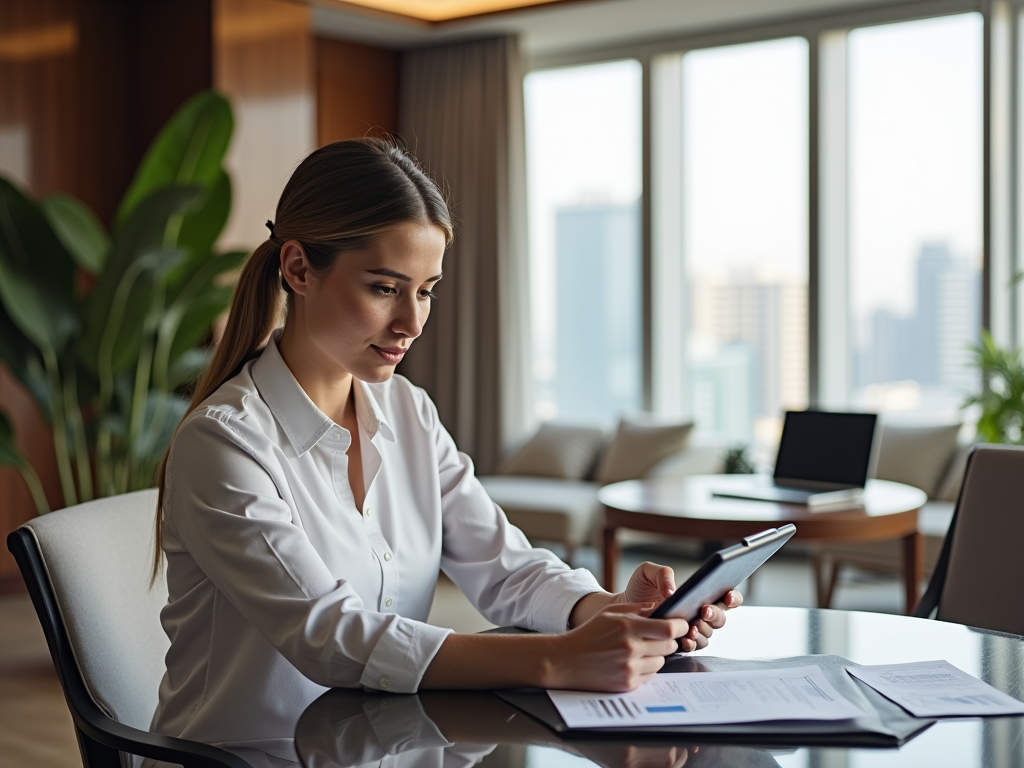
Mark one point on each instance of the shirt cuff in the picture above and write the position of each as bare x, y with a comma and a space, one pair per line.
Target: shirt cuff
400, 724
557, 597
401, 655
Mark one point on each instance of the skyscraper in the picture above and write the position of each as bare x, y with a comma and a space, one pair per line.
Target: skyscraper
760, 322
930, 346
597, 317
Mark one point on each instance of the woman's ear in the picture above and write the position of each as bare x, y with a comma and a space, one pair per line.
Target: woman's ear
294, 268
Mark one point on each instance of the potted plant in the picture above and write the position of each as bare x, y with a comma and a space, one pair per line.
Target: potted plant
1001, 402
106, 364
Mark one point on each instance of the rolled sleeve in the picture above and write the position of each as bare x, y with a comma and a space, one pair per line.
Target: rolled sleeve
556, 597
401, 656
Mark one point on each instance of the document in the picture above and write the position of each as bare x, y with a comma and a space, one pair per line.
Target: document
704, 698
936, 689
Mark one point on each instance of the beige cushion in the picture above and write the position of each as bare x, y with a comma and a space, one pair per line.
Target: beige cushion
547, 509
917, 456
638, 446
557, 450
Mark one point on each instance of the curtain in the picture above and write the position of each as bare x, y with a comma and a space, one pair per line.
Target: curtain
461, 114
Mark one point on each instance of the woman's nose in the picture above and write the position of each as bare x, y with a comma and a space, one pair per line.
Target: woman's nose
410, 318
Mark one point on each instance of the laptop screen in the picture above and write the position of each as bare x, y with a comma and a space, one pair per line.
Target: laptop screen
823, 447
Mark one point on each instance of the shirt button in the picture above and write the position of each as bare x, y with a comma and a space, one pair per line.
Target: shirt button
385, 705
368, 512
384, 682
387, 556
388, 602
336, 435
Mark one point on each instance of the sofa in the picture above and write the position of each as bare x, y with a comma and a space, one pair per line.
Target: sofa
932, 458
548, 485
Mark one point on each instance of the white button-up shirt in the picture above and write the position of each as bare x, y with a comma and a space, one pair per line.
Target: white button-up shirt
279, 587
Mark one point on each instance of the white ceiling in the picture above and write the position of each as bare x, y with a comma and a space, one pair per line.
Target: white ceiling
568, 26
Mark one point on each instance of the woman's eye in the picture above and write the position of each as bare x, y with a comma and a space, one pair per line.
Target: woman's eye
384, 290
428, 294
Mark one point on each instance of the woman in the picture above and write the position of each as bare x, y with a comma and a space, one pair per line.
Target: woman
310, 496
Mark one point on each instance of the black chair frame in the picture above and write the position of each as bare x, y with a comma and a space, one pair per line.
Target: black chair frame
101, 739
933, 592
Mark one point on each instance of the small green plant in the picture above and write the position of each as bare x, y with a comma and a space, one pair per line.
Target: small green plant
737, 461
106, 365
1002, 397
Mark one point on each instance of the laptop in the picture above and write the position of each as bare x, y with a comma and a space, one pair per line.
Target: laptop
824, 458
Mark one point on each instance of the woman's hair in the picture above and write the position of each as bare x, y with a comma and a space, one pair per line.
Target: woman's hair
339, 199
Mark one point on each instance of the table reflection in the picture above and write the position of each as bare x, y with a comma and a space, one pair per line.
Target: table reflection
352, 728
344, 729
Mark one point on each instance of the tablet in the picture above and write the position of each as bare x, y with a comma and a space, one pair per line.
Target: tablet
724, 570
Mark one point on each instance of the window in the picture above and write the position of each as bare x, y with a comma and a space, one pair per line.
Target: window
899, 177
744, 236
583, 151
915, 144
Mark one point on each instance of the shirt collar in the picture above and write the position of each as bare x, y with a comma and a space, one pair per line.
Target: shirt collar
304, 423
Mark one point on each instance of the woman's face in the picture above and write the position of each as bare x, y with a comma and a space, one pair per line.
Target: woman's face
362, 316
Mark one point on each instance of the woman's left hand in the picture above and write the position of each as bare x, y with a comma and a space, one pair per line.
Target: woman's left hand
652, 583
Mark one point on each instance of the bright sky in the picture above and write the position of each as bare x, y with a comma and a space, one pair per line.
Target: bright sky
745, 157
915, 152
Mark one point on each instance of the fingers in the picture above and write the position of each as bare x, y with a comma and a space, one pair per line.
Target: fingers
665, 579
661, 578
733, 599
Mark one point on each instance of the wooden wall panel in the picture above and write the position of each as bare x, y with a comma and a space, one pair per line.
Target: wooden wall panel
171, 59
263, 62
356, 89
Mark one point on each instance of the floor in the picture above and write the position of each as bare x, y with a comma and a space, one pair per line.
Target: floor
36, 730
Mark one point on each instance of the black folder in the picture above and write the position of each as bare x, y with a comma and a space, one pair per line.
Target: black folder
885, 725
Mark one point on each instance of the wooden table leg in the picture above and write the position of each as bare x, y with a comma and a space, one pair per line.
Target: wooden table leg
913, 565
611, 557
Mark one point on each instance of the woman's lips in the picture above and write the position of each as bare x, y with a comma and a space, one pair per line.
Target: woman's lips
391, 355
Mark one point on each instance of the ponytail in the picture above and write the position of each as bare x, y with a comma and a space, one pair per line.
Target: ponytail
338, 199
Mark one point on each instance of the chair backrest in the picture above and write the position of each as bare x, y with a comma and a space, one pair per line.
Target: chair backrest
98, 557
979, 582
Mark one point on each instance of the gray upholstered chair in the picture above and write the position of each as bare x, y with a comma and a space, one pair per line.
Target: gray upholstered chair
88, 569
979, 574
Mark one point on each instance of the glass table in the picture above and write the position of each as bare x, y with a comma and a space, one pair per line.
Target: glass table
352, 728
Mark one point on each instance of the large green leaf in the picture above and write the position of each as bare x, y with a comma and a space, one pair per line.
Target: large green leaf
36, 273
79, 230
10, 456
143, 233
202, 225
199, 315
202, 273
22, 359
124, 320
189, 150
188, 367
163, 412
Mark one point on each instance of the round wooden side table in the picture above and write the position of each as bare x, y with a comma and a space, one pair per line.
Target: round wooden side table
688, 507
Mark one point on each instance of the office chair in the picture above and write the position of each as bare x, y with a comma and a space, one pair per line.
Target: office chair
87, 569
978, 576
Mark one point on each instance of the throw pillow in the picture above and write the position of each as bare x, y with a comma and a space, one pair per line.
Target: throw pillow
917, 456
637, 446
557, 450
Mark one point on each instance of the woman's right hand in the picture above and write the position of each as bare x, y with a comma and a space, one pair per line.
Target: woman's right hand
616, 650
